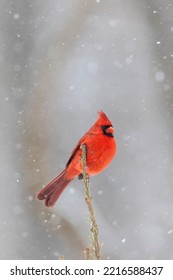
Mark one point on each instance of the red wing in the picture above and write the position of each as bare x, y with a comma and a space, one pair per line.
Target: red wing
81, 141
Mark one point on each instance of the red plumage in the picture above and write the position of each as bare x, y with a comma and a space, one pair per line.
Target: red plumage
101, 149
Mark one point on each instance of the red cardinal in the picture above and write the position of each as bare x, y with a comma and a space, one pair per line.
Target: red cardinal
100, 151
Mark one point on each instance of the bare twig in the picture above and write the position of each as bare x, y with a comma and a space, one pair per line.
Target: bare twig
95, 247
86, 252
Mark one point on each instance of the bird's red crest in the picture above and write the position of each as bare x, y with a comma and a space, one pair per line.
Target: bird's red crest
103, 119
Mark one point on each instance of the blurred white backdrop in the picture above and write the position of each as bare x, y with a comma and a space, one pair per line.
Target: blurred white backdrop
61, 62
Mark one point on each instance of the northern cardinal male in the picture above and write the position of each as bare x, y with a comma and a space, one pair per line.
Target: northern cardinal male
100, 151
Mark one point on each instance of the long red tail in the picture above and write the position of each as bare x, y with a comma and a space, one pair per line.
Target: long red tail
54, 189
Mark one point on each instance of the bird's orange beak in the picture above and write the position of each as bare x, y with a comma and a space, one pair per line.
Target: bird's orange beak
110, 130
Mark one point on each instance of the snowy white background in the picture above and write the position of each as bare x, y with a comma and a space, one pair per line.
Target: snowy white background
61, 62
